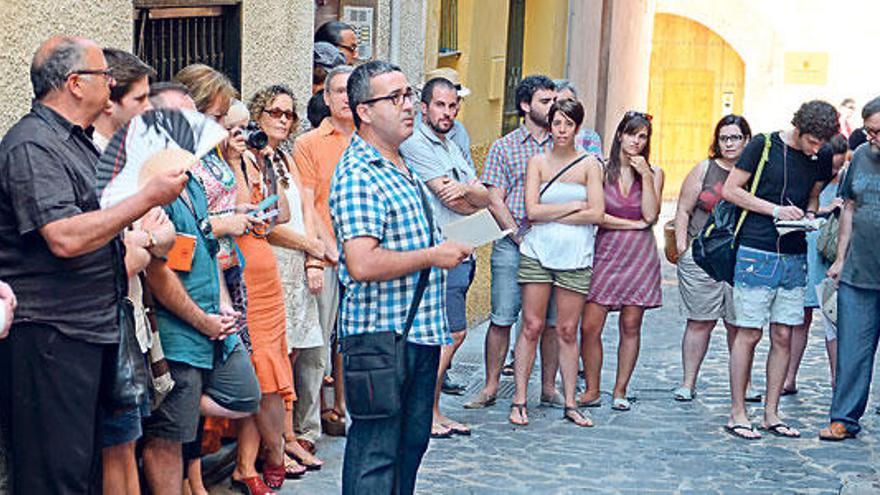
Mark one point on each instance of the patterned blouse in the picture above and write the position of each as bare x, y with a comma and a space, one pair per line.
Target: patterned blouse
219, 183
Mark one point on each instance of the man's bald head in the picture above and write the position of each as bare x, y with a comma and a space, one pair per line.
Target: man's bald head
54, 60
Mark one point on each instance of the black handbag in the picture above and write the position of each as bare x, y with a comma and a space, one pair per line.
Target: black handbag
714, 249
374, 364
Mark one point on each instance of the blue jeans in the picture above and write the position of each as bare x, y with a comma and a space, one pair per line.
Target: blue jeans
858, 327
382, 456
506, 297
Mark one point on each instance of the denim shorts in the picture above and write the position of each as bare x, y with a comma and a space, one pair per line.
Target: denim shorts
458, 281
768, 288
123, 426
506, 297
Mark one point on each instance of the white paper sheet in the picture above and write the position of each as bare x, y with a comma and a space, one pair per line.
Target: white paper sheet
474, 230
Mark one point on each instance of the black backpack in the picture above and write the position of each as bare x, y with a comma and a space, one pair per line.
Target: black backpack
714, 249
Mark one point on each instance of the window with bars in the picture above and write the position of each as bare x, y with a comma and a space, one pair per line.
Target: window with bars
170, 38
448, 27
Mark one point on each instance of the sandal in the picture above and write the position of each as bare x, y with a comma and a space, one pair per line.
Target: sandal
574, 415
684, 394
333, 422
251, 486
480, 401
308, 461
521, 410
776, 430
274, 476
293, 469
597, 402
457, 428
621, 404
440, 431
737, 431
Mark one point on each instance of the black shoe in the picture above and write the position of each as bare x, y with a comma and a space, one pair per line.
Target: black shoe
451, 388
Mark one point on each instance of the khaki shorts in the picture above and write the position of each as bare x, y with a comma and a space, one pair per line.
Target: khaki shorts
702, 298
531, 272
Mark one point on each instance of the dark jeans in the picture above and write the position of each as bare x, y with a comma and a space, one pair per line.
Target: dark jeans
49, 407
858, 327
382, 456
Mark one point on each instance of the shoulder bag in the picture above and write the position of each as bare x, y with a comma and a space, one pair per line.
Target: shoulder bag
714, 249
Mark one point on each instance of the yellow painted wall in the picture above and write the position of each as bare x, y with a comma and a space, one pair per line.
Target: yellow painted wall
693, 70
546, 37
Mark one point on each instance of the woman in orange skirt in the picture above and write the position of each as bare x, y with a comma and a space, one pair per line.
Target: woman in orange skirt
273, 110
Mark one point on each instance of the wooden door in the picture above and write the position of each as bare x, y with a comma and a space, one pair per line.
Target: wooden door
513, 68
696, 78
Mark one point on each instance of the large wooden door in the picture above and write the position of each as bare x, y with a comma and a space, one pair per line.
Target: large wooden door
696, 78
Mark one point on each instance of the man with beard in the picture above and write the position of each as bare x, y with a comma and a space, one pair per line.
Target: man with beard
455, 192
504, 175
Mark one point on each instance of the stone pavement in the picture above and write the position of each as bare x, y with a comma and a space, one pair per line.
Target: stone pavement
661, 446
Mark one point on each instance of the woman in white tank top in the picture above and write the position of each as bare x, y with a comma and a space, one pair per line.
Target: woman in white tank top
564, 202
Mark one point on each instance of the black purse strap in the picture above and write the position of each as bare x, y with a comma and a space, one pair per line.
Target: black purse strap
424, 274
559, 174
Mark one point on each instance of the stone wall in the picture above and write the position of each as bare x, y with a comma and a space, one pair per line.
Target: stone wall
28, 22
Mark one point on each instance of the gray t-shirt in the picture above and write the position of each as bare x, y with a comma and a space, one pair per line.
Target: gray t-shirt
432, 157
862, 185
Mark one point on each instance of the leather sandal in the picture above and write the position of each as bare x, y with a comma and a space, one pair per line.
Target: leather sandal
251, 486
274, 475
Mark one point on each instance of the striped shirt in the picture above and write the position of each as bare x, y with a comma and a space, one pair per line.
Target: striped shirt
371, 197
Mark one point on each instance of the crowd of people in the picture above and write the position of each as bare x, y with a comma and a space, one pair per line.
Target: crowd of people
350, 285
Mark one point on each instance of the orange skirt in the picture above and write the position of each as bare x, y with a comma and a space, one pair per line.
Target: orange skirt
266, 318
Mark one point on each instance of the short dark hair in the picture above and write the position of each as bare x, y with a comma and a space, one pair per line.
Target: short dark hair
49, 71
730, 119
839, 144
437, 82
857, 138
871, 108
358, 87
317, 109
527, 88
570, 108
331, 32
127, 69
817, 118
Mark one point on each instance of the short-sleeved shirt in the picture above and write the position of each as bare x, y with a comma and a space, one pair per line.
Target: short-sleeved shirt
371, 197
459, 135
316, 154
787, 180
180, 341
861, 184
506, 166
590, 141
47, 173
432, 157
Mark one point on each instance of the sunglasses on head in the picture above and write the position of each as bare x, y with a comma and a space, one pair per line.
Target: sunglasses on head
633, 114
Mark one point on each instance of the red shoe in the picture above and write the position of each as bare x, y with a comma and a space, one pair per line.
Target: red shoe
274, 475
251, 486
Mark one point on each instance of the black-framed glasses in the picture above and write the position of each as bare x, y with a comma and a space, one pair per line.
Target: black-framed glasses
276, 113
396, 98
632, 113
733, 138
350, 48
93, 72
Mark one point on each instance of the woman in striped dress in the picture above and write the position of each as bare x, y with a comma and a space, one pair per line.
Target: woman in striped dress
626, 266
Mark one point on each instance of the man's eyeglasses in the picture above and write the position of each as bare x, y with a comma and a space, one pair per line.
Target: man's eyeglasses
632, 114
93, 72
351, 48
734, 138
276, 113
396, 98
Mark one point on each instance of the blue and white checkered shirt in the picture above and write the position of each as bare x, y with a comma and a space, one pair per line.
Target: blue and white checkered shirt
371, 197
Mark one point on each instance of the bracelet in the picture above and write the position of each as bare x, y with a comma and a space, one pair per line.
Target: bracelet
315, 264
776, 212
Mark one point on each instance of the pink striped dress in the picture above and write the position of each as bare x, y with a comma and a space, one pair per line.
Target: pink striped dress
626, 265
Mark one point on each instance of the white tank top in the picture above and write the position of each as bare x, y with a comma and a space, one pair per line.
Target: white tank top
560, 246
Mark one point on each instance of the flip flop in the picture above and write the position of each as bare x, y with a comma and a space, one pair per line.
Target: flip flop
521, 409
556, 400
621, 404
458, 429
736, 431
789, 391
684, 394
480, 401
440, 433
753, 396
775, 428
597, 402
568, 417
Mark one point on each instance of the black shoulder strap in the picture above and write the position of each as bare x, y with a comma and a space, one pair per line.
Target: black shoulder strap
426, 273
559, 174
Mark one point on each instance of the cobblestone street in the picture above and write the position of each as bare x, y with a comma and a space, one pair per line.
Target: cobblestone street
661, 446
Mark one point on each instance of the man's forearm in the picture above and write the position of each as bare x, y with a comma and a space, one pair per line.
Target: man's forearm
501, 213
845, 231
84, 233
169, 291
379, 264
744, 199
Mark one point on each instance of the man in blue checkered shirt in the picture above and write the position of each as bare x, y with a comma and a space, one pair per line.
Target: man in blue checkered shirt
385, 238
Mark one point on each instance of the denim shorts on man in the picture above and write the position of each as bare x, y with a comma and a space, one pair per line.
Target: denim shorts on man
458, 281
768, 288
